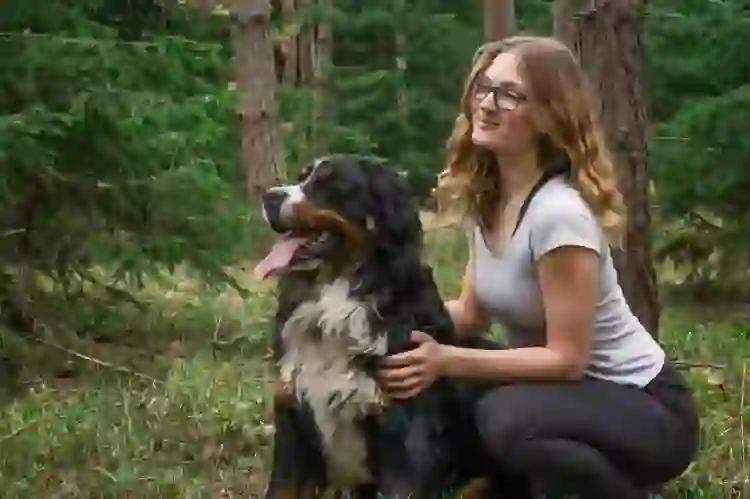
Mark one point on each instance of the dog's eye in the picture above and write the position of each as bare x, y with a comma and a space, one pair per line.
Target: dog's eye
304, 173
323, 171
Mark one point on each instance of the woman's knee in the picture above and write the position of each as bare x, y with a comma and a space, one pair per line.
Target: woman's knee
503, 419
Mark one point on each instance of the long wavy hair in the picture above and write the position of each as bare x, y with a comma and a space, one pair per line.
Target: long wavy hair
562, 111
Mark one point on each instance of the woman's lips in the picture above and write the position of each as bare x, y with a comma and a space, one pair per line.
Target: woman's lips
487, 124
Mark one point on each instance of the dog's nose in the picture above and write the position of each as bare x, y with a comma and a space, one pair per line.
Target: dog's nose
273, 199
273, 206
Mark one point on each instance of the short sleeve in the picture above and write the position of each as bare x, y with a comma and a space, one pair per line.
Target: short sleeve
564, 224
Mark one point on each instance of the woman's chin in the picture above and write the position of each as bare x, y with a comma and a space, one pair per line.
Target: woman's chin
483, 139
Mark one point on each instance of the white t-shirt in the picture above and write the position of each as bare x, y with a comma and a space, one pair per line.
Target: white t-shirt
506, 285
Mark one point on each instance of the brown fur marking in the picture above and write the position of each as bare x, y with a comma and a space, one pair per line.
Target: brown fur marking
311, 218
478, 488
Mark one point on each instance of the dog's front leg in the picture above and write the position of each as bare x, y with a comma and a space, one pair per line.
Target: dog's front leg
413, 462
395, 475
297, 469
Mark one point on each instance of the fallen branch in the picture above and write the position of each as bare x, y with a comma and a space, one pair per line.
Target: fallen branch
685, 364
18, 430
98, 362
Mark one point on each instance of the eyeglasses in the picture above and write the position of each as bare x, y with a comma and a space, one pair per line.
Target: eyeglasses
503, 97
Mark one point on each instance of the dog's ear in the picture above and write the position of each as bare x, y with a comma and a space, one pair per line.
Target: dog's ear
396, 236
395, 219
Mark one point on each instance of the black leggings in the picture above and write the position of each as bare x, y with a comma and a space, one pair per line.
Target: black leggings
593, 438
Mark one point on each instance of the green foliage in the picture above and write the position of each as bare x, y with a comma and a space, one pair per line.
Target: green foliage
401, 113
698, 67
122, 153
703, 177
704, 157
694, 49
122, 148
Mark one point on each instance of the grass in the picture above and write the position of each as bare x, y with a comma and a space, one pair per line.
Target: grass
171, 401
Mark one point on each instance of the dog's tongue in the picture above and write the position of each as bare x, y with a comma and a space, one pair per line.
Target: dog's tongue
279, 256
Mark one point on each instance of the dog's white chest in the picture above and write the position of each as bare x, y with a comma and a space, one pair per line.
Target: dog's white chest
321, 338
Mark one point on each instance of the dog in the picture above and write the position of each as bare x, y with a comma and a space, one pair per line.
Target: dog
352, 287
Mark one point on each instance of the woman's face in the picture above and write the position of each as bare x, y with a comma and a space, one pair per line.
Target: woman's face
501, 120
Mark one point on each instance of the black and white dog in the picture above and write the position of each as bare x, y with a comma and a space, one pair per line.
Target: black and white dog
352, 288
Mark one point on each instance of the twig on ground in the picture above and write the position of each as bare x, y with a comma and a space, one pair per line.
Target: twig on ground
98, 362
18, 430
216, 329
689, 365
106, 473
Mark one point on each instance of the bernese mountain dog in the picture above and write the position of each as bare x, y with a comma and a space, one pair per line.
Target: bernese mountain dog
352, 287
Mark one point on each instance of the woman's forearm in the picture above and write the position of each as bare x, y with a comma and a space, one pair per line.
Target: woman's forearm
534, 363
516, 364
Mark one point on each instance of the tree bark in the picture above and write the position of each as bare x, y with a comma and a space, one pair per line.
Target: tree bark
262, 145
608, 42
499, 19
322, 59
290, 49
563, 12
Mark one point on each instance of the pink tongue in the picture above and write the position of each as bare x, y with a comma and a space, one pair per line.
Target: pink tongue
279, 257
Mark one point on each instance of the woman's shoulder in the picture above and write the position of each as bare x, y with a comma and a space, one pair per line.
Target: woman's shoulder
560, 198
559, 217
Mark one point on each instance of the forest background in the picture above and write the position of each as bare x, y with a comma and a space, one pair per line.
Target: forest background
135, 134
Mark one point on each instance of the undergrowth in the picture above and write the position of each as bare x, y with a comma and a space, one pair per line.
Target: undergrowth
171, 400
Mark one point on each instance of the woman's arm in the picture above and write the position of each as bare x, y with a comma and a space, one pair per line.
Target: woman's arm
469, 318
568, 278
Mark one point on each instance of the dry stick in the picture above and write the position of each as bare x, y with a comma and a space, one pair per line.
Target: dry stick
216, 329
98, 362
688, 365
18, 430
258, 379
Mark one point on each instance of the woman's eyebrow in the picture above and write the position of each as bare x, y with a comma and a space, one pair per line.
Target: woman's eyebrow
509, 85
502, 84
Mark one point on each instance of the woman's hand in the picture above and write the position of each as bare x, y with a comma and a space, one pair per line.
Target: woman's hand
404, 375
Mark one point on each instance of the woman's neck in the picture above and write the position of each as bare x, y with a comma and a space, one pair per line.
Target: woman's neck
518, 174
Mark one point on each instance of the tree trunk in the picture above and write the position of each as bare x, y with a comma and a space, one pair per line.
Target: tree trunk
262, 145
323, 53
306, 43
307, 53
607, 40
289, 45
499, 19
563, 12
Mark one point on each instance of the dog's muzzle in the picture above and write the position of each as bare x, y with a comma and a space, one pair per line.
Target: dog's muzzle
278, 206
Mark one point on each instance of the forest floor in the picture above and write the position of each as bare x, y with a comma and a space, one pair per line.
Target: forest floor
171, 400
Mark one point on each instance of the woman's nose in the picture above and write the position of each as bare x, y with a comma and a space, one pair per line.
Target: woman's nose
488, 103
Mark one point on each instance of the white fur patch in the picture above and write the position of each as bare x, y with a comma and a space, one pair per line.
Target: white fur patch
294, 195
319, 161
321, 338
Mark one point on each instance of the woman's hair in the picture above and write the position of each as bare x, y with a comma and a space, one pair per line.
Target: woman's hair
563, 115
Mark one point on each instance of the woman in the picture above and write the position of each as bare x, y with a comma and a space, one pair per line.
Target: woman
583, 402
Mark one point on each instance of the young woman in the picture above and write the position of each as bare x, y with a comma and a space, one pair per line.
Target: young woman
583, 401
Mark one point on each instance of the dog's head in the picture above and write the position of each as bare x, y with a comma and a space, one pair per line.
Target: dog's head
344, 210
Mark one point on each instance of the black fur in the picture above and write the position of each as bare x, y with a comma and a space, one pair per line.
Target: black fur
409, 446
